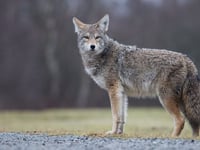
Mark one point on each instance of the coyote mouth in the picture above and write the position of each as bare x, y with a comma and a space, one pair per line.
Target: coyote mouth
92, 50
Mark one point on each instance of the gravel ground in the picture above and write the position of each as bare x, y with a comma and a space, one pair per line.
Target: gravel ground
19, 141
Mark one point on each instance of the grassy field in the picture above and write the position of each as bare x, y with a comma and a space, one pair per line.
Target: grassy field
141, 122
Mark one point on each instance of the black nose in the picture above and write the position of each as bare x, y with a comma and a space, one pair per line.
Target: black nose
92, 47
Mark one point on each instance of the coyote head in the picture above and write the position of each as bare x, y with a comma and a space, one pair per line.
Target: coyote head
91, 37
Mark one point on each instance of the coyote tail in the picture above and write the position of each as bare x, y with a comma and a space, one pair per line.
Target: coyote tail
191, 102
191, 97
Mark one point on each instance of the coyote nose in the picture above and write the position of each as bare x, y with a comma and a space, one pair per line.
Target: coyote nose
92, 47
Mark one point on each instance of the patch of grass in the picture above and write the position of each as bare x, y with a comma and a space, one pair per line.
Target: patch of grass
141, 122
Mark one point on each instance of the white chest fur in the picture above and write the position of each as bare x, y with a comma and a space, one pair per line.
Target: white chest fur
100, 80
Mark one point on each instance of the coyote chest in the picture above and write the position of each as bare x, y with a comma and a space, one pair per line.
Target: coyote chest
98, 78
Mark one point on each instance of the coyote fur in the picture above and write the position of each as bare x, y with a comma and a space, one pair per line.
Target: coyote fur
125, 70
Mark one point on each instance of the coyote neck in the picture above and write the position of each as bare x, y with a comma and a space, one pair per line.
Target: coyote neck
94, 63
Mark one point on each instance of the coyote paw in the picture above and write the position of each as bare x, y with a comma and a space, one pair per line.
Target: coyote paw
110, 132
113, 132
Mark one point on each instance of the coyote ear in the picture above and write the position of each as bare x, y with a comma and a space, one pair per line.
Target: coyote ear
103, 23
78, 25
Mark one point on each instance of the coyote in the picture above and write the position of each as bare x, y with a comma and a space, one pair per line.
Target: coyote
125, 70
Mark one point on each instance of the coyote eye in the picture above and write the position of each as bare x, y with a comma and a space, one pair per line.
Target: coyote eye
98, 37
86, 37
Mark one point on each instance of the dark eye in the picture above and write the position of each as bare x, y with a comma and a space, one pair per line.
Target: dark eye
98, 37
86, 37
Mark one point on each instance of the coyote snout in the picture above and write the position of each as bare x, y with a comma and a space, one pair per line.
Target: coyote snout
139, 72
90, 44
92, 47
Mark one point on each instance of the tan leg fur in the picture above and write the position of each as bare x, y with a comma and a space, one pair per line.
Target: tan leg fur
118, 103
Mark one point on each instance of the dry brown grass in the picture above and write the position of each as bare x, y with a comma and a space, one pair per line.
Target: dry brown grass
142, 122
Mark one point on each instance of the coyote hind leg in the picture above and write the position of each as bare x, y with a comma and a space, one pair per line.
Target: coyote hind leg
195, 128
173, 108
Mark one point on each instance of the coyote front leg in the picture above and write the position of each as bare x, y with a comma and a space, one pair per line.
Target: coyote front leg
118, 101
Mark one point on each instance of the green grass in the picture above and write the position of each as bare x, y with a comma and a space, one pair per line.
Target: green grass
141, 122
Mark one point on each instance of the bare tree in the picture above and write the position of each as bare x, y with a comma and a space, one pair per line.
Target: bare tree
47, 12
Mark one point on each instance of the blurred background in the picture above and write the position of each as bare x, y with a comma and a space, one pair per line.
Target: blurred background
40, 66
